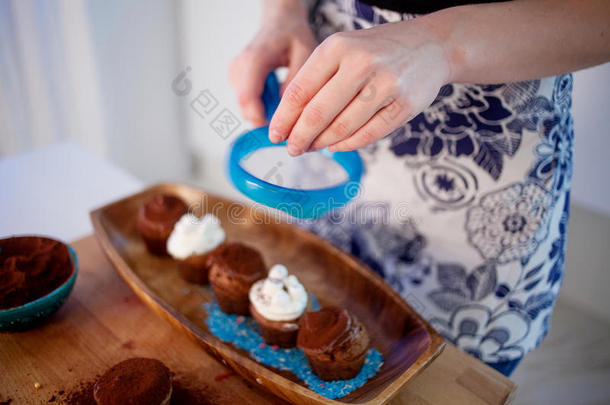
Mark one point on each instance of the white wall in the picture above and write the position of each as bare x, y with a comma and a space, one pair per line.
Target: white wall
587, 274
591, 109
49, 83
96, 72
135, 45
213, 33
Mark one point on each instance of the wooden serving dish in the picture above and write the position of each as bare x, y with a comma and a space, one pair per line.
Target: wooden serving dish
406, 341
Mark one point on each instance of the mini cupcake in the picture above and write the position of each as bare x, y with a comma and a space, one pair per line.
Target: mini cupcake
191, 243
235, 267
156, 221
334, 342
134, 381
276, 303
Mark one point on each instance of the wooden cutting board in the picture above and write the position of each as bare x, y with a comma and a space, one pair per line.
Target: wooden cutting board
103, 322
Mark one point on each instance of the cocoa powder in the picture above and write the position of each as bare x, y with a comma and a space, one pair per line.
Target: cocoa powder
31, 267
81, 394
135, 381
240, 259
186, 390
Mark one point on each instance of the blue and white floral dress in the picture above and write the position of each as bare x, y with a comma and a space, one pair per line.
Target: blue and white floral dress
464, 209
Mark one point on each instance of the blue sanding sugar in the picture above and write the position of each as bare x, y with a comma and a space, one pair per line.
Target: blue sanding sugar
314, 302
243, 332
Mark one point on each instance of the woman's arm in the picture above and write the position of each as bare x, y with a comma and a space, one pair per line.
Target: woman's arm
522, 40
358, 86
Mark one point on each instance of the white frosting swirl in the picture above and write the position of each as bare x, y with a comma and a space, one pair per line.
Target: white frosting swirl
279, 297
194, 236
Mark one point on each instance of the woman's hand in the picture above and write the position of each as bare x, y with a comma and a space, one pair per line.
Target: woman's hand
285, 39
359, 86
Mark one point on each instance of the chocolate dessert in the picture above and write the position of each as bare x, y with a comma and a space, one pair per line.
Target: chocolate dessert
235, 267
156, 220
334, 342
133, 382
31, 267
277, 303
279, 333
192, 244
196, 269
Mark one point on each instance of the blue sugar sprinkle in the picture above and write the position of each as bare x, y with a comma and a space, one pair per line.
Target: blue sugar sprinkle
314, 302
243, 333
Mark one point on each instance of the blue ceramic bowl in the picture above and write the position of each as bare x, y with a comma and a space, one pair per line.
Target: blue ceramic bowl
29, 315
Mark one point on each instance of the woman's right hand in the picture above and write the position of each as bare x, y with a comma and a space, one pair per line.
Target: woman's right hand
284, 39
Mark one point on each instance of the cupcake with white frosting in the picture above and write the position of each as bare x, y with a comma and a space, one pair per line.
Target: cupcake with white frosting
276, 303
192, 243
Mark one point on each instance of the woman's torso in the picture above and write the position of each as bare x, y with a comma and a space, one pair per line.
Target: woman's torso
464, 209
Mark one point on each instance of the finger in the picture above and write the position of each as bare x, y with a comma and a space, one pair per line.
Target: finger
371, 98
381, 124
297, 58
312, 76
247, 75
323, 108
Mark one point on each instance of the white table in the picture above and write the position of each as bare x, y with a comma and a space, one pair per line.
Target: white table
50, 191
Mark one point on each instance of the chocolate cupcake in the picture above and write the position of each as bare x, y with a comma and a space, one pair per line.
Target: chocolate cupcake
156, 221
334, 342
277, 303
235, 267
191, 243
134, 381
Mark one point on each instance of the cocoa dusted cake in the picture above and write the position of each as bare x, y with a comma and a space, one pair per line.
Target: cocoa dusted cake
235, 267
134, 381
277, 303
156, 220
192, 244
334, 342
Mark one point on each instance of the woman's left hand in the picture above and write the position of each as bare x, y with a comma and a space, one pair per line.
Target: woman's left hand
359, 86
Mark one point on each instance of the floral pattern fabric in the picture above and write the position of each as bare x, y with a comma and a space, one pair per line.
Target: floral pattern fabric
464, 209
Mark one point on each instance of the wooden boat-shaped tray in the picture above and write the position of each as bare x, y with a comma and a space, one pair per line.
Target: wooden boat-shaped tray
406, 341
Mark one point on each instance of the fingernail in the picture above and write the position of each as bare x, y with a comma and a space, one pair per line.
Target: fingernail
275, 136
293, 150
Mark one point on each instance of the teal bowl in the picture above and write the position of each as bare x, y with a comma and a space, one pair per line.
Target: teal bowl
34, 312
